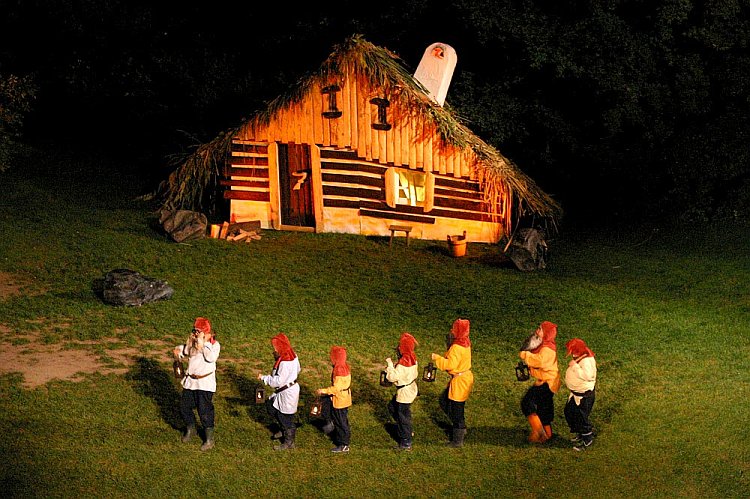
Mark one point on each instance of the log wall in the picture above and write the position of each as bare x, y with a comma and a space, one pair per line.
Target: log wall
354, 156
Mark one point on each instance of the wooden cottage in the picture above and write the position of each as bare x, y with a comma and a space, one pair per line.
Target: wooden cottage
360, 146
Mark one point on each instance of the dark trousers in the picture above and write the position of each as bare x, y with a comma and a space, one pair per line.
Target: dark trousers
577, 416
340, 420
285, 421
401, 413
454, 410
538, 399
201, 399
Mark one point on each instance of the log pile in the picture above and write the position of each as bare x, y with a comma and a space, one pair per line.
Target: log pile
240, 231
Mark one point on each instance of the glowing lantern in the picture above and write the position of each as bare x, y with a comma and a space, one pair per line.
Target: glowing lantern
522, 371
316, 408
179, 369
384, 380
429, 372
260, 395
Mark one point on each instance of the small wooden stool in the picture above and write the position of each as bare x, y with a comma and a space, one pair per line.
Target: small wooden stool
399, 228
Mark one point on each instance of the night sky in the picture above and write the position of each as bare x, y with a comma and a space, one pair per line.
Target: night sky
623, 111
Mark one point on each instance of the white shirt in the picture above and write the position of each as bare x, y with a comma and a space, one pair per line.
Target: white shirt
403, 376
287, 372
200, 363
581, 377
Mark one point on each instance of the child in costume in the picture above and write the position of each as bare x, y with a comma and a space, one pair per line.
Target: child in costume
282, 404
199, 383
537, 404
580, 378
457, 363
404, 376
336, 407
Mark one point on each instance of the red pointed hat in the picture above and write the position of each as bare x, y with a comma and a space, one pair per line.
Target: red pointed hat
283, 347
406, 345
202, 324
550, 333
338, 359
460, 332
578, 348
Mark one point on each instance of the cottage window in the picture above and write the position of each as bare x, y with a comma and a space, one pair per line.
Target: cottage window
330, 92
409, 188
382, 118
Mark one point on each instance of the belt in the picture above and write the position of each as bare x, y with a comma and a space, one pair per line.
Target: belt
398, 387
282, 388
200, 376
459, 374
587, 393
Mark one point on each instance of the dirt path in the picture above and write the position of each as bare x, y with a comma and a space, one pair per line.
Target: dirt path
40, 363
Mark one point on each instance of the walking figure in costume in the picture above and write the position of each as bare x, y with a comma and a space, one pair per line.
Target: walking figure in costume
199, 383
336, 406
580, 378
457, 363
282, 404
404, 376
537, 404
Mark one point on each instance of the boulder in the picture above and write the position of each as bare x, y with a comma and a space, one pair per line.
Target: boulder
183, 225
126, 287
528, 251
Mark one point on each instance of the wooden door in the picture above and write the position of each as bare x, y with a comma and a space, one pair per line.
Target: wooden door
295, 185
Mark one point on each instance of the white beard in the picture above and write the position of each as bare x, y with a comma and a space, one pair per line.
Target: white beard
531, 343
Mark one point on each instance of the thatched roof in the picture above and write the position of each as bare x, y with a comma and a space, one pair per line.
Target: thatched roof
381, 68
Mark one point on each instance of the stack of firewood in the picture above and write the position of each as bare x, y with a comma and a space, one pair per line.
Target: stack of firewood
240, 231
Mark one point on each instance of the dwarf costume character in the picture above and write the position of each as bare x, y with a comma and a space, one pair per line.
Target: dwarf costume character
336, 405
282, 404
537, 404
404, 376
199, 383
580, 378
457, 363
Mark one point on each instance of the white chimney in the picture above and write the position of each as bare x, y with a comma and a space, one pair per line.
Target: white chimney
435, 70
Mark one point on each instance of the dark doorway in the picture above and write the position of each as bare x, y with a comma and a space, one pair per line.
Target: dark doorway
295, 185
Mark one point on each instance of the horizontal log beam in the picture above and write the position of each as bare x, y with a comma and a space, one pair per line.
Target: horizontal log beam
396, 216
247, 195
354, 180
246, 172
249, 160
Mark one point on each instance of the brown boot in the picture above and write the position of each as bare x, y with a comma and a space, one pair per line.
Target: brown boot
288, 442
537, 435
548, 431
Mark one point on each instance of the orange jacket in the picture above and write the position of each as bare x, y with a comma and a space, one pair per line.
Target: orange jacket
457, 363
341, 391
543, 367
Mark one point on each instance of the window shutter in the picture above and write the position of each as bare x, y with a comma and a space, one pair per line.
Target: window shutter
391, 178
429, 192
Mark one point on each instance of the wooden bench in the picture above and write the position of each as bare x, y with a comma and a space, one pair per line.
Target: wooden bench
399, 228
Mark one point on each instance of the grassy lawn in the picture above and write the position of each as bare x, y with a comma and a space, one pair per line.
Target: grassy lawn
666, 311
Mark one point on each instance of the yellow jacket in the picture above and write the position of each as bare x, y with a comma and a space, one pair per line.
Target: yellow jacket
341, 391
457, 363
543, 367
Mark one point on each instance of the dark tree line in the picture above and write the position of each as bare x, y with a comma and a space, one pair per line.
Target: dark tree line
622, 109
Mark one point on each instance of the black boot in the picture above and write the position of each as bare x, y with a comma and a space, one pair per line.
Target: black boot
209, 443
288, 440
458, 437
189, 433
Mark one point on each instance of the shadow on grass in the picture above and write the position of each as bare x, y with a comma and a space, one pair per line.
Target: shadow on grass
149, 379
496, 435
258, 412
368, 391
437, 249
